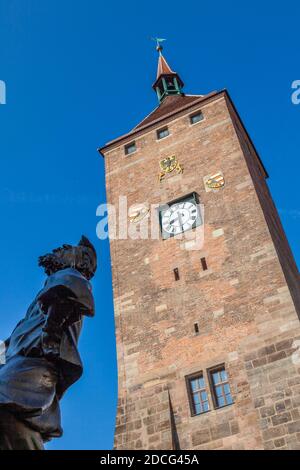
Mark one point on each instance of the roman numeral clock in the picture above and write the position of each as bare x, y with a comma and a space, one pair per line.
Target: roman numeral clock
179, 216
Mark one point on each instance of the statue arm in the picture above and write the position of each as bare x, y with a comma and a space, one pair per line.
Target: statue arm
65, 298
60, 316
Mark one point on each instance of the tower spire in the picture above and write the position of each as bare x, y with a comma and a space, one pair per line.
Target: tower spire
167, 81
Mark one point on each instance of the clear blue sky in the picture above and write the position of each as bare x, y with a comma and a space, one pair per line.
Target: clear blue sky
79, 73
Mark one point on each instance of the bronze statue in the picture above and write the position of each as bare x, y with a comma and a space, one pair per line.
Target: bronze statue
42, 358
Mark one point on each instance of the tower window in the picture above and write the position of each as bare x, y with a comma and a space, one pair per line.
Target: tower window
220, 387
194, 118
198, 396
204, 264
176, 274
161, 133
170, 84
130, 148
196, 328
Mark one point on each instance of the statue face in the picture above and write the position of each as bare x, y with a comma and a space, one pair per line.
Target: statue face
60, 258
81, 257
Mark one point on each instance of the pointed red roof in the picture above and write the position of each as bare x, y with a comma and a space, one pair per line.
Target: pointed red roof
163, 67
170, 105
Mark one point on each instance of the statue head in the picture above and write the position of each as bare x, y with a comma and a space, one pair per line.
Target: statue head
81, 257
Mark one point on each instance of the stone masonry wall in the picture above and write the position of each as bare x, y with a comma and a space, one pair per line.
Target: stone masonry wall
242, 303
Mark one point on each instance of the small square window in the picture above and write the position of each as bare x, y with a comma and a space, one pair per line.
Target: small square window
194, 118
161, 133
198, 396
220, 387
130, 148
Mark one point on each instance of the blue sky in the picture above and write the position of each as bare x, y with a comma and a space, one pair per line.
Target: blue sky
79, 73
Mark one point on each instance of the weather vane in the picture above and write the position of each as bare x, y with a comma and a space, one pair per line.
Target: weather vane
158, 43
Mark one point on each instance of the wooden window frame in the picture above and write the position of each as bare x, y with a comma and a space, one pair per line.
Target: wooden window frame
194, 115
127, 146
190, 393
162, 129
213, 386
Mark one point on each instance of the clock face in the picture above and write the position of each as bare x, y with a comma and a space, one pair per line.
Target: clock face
179, 217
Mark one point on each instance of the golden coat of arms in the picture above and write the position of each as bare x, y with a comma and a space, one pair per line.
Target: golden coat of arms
214, 182
167, 165
137, 212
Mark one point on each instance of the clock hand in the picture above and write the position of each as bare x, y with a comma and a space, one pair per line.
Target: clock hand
180, 218
174, 218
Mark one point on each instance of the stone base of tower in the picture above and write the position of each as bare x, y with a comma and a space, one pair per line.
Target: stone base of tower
144, 420
265, 385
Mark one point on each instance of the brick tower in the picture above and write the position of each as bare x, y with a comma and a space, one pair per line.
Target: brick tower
208, 334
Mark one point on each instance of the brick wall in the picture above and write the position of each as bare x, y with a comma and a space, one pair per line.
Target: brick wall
243, 304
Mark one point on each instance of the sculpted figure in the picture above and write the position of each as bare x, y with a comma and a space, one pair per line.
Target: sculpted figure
42, 359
